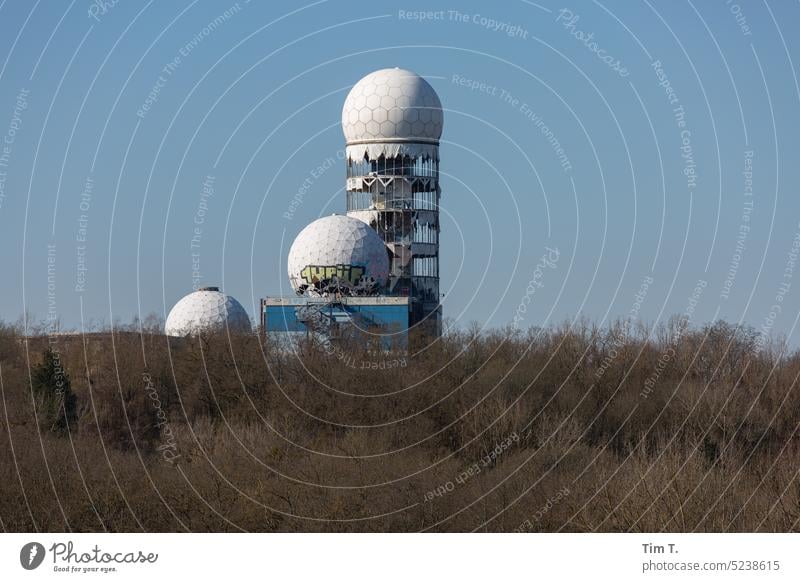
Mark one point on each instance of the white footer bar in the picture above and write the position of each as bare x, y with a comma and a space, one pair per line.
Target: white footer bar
401, 557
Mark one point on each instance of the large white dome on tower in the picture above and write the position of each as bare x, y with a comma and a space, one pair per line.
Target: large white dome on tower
207, 309
338, 249
392, 105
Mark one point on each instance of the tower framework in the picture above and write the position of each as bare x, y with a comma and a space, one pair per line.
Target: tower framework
392, 120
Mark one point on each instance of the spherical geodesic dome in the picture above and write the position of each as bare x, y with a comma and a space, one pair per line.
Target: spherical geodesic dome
338, 253
392, 104
207, 309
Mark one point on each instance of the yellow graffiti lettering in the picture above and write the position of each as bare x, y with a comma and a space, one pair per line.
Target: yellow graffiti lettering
355, 274
351, 274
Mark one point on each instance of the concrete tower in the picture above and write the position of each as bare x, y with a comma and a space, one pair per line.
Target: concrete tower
392, 122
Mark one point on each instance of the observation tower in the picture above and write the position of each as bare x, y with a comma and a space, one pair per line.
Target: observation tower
392, 122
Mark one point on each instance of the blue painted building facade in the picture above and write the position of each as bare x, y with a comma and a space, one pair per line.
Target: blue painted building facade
384, 317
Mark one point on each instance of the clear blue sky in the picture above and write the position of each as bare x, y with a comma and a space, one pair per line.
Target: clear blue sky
254, 103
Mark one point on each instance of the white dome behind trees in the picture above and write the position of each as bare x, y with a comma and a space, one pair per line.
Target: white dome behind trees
206, 310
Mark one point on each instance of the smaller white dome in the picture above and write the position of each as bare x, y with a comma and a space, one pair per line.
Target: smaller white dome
338, 249
392, 105
206, 310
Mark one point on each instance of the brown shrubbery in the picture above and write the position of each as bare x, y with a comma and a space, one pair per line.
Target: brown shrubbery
550, 430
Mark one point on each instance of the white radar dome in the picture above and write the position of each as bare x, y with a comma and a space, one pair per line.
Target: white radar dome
206, 310
338, 253
392, 105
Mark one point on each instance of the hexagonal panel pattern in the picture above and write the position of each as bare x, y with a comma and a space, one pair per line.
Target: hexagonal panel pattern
337, 245
401, 103
206, 310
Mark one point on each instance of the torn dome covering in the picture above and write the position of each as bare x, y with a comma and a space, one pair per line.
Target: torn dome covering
374, 150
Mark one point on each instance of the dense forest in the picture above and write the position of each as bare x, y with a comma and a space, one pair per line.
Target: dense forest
570, 428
